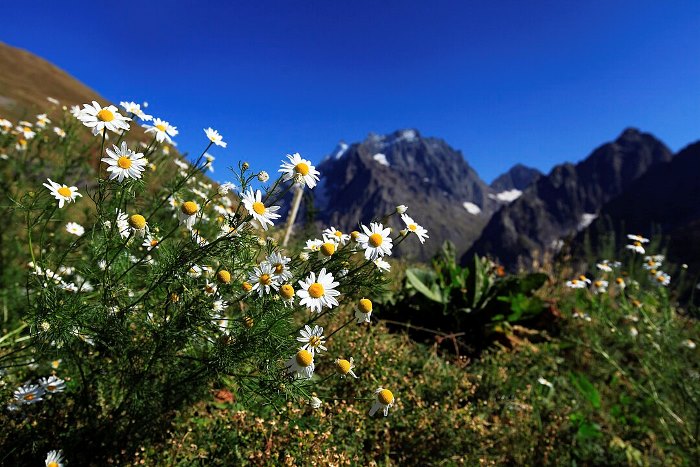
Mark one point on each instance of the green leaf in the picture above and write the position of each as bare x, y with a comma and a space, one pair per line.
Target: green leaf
586, 388
418, 278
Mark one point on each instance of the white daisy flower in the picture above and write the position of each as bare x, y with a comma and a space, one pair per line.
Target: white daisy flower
300, 170
336, 235
301, 364
263, 177
42, 120
279, 266
313, 245
689, 344
651, 263
344, 367
26, 130
63, 193
384, 401
224, 188
313, 339
138, 225
401, 209
124, 163
317, 293
188, 213
54, 459
315, 402
636, 247
264, 215
620, 282
29, 394
59, 131
219, 305
75, 228
375, 241
382, 265
134, 108
52, 384
263, 279
210, 288
287, 294
661, 278
599, 286
215, 137
638, 238
363, 311
411, 225
163, 130
194, 271
579, 283
100, 118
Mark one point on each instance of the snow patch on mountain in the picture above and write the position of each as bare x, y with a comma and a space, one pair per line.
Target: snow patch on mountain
507, 196
381, 159
472, 208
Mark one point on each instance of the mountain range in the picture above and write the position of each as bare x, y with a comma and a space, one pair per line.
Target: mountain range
521, 219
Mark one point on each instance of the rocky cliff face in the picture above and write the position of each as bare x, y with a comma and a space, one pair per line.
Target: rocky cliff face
366, 180
567, 200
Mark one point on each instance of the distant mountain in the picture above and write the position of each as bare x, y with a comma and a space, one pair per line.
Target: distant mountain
509, 186
664, 200
366, 180
567, 200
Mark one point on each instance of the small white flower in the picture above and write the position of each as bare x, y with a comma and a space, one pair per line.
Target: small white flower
544, 382
124, 163
312, 338
75, 228
187, 213
224, 188
59, 131
252, 201
103, 118
263, 176
599, 286
52, 384
384, 400
29, 394
336, 235
401, 209
134, 108
317, 293
215, 137
54, 459
263, 279
63, 193
688, 343
375, 241
382, 265
315, 402
411, 225
363, 311
301, 364
300, 170
279, 266
638, 238
163, 130
344, 367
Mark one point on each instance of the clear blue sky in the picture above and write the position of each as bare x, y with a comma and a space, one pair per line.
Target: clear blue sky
504, 81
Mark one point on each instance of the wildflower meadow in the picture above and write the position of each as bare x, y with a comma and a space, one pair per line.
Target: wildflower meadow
152, 316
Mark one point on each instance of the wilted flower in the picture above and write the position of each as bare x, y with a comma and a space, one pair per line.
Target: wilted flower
384, 400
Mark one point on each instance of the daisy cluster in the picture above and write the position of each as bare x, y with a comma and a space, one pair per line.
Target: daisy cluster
203, 255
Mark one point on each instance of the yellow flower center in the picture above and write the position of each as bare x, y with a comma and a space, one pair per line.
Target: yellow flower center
248, 322
287, 291
265, 279
304, 358
161, 127
259, 208
314, 341
209, 289
582, 277
247, 287
55, 364
620, 280
52, 464
660, 278
154, 242
224, 276
354, 234
338, 233
124, 162
137, 221
279, 267
29, 397
365, 305
27, 129
385, 397
51, 387
598, 283
64, 191
652, 272
105, 115
302, 168
327, 249
574, 282
189, 208
412, 227
375, 240
343, 366
637, 243
316, 290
